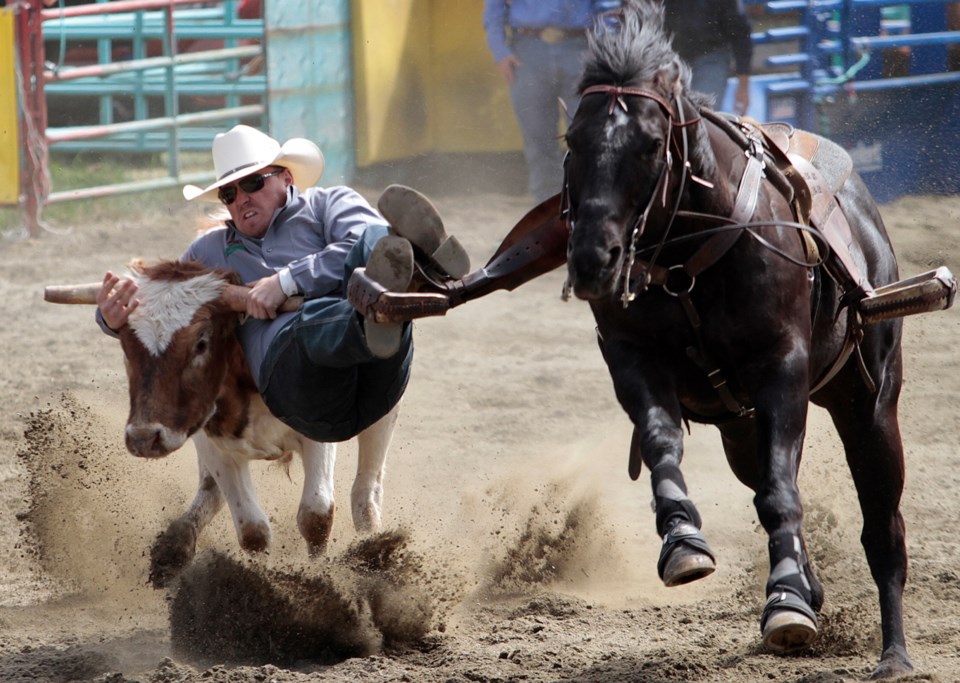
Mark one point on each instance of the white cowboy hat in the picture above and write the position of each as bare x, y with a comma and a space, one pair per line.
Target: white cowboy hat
244, 150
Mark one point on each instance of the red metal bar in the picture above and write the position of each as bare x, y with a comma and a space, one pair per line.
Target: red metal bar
150, 63
110, 8
33, 185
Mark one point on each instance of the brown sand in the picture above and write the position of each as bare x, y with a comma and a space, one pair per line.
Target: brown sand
516, 547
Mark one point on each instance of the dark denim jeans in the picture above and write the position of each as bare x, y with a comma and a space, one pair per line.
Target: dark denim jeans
318, 376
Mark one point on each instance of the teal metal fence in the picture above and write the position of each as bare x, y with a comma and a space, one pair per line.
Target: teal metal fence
135, 81
311, 78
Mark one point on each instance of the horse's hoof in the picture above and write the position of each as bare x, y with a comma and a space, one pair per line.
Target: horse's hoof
893, 663
685, 556
686, 565
788, 623
787, 631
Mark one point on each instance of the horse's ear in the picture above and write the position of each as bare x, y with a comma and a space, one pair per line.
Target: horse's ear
671, 77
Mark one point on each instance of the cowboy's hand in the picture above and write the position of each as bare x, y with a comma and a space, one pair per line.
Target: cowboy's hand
508, 66
116, 300
265, 297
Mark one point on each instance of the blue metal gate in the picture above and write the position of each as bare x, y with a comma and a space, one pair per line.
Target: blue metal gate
876, 77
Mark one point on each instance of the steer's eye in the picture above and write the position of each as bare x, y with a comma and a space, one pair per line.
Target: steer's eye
201, 346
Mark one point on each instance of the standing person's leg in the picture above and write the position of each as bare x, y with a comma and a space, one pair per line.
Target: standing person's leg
570, 68
534, 96
710, 74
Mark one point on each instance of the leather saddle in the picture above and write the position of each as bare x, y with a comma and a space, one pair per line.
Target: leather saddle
810, 170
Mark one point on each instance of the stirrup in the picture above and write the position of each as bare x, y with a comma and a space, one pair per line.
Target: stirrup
934, 290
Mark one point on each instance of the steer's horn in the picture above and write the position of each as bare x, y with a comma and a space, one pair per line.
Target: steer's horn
235, 296
72, 294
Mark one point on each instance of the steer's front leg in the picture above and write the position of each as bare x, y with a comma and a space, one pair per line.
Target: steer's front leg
174, 548
236, 485
366, 496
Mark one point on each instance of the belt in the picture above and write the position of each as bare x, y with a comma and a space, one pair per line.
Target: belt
549, 34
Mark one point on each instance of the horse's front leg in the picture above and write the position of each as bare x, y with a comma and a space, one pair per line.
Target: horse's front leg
794, 595
648, 396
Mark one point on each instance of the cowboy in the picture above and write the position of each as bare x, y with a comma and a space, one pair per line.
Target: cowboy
323, 369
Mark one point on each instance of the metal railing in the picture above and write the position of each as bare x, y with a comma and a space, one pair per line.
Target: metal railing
155, 86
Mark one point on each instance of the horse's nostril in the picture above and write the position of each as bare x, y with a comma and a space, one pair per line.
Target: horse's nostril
615, 255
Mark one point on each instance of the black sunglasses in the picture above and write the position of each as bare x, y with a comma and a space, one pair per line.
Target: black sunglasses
252, 183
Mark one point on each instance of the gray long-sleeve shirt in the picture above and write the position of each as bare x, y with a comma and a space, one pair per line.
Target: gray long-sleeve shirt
309, 237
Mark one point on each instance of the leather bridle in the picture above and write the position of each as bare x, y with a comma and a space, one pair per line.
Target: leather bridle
675, 119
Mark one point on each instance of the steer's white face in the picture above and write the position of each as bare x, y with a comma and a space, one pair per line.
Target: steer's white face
178, 345
167, 307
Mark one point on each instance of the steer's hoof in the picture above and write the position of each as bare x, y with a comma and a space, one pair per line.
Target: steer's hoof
172, 550
788, 622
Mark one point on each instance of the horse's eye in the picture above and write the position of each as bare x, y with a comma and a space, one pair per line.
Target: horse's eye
654, 147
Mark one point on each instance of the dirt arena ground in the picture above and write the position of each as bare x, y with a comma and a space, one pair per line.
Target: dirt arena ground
516, 547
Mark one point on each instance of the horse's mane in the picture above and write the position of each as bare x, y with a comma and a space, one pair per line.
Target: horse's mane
637, 51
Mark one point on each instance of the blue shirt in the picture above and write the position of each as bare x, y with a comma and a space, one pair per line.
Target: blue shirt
565, 14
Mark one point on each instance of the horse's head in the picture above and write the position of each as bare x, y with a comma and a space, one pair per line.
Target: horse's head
621, 143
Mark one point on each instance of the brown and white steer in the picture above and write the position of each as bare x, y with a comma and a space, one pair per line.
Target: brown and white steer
188, 378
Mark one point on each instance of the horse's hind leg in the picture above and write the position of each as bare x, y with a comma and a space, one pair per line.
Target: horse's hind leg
869, 429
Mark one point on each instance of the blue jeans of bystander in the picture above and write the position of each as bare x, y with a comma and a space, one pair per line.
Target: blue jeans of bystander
548, 72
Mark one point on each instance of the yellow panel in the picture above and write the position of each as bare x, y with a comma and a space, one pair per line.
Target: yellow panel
470, 109
9, 140
425, 82
391, 73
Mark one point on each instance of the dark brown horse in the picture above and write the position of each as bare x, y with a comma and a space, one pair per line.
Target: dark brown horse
711, 308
